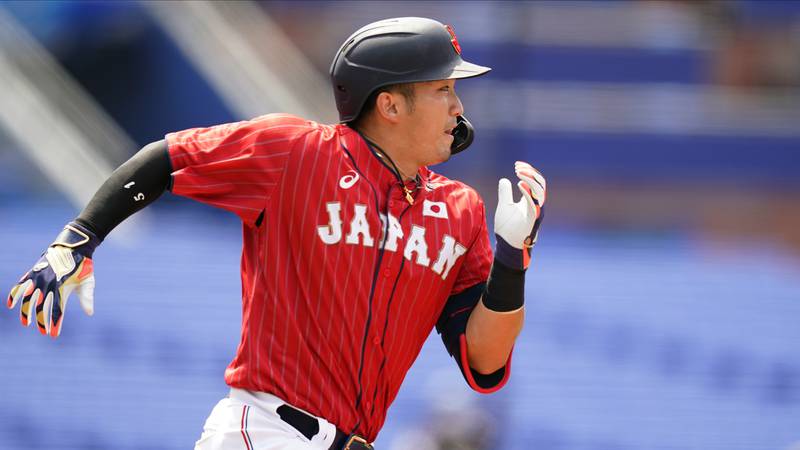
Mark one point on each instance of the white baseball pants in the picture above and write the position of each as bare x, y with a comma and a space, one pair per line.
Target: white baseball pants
247, 420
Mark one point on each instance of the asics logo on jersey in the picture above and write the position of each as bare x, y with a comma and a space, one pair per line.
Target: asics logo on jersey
347, 181
415, 246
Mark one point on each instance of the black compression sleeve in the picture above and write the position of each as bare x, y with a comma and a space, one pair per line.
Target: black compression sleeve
134, 185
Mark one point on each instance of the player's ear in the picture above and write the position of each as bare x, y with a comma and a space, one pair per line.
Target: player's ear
386, 106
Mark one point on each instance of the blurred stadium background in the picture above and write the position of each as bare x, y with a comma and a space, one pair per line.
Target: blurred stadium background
665, 292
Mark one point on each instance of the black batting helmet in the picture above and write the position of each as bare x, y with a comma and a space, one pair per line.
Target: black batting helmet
400, 50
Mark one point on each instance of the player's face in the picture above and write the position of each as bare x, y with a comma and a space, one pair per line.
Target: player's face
429, 125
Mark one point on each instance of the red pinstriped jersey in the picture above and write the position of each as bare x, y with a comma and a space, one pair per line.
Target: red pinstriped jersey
342, 278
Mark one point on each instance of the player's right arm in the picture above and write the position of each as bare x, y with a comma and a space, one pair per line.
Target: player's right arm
66, 265
233, 166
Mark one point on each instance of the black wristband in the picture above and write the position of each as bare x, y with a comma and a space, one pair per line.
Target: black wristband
505, 289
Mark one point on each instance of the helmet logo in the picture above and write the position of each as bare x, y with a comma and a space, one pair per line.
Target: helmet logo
453, 39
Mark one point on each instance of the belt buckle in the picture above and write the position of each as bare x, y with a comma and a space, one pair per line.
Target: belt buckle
356, 442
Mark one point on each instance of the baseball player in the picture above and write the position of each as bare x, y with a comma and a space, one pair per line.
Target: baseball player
353, 249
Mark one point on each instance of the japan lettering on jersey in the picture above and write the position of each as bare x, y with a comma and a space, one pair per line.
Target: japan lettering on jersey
342, 278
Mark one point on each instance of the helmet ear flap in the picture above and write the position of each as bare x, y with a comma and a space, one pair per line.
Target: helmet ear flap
463, 134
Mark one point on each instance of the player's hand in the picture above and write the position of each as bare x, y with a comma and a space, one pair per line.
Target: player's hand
65, 267
516, 224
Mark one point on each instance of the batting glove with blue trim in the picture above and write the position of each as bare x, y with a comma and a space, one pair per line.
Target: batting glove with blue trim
516, 224
65, 267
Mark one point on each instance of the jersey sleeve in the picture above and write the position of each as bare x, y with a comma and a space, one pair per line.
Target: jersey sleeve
478, 260
234, 166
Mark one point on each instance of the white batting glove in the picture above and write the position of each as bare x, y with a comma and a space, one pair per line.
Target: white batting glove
516, 224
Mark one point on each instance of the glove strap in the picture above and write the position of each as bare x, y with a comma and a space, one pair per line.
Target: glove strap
78, 238
510, 256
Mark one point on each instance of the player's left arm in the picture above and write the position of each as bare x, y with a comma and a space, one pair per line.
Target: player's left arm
491, 336
497, 319
481, 321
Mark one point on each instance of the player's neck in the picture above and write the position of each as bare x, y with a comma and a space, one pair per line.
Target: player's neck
392, 148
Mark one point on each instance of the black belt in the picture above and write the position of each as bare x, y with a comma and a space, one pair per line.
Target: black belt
309, 427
